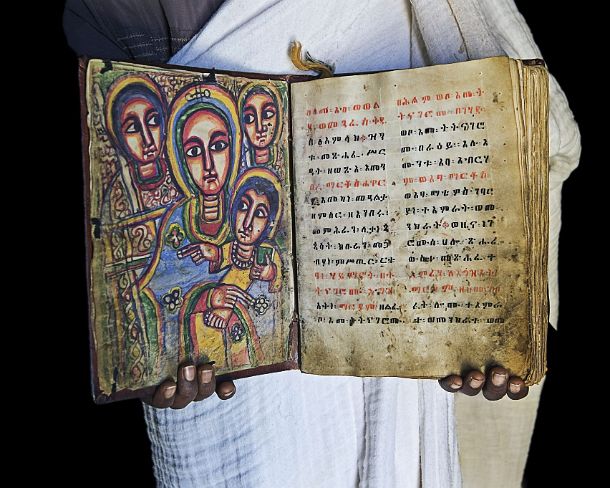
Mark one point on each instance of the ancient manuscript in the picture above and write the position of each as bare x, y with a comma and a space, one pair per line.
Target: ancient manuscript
386, 224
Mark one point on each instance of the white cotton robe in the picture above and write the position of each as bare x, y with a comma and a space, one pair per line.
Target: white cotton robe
296, 430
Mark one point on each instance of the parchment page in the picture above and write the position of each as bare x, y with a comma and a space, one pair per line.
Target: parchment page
190, 244
409, 222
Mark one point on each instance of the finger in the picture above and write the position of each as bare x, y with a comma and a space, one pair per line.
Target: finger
516, 388
217, 322
233, 299
164, 394
495, 384
245, 296
187, 386
473, 382
231, 295
187, 250
451, 383
244, 301
240, 294
225, 389
267, 259
206, 381
197, 259
235, 291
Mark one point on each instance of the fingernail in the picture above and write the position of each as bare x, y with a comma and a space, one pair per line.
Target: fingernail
205, 376
455, 386
227, 394
514, 387
475, 383
169, 392
189, 373
498, 379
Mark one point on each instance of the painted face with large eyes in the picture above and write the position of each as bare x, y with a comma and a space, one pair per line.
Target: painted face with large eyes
206, 148
260, 119
252, 217
141, 130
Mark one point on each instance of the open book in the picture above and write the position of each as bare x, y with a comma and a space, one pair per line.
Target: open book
383, 224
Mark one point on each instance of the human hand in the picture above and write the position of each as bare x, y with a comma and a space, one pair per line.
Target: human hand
263, 272
497, 384
217, 318
199, 252
194, 384
227, 296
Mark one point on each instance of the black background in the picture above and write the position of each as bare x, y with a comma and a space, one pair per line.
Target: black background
108, 446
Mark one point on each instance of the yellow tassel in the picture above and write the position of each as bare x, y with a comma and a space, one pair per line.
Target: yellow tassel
307, 63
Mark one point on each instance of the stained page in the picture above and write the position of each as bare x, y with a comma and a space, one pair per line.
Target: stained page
189, 206
410, 222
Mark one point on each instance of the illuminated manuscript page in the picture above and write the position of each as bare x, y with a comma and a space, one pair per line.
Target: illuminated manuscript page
409, 222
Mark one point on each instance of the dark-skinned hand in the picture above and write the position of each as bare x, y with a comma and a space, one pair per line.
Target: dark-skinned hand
194, 383
198, 383
497, 384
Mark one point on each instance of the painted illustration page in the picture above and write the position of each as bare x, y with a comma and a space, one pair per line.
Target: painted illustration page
410, 231
189, 205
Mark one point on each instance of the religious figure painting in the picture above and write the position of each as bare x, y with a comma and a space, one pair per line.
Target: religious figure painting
190, 220
260, 106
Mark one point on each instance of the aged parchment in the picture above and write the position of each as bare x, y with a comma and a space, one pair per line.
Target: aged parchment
410, 230
188, 178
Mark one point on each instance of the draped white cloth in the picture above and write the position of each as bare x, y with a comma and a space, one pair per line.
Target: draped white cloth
296, 430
